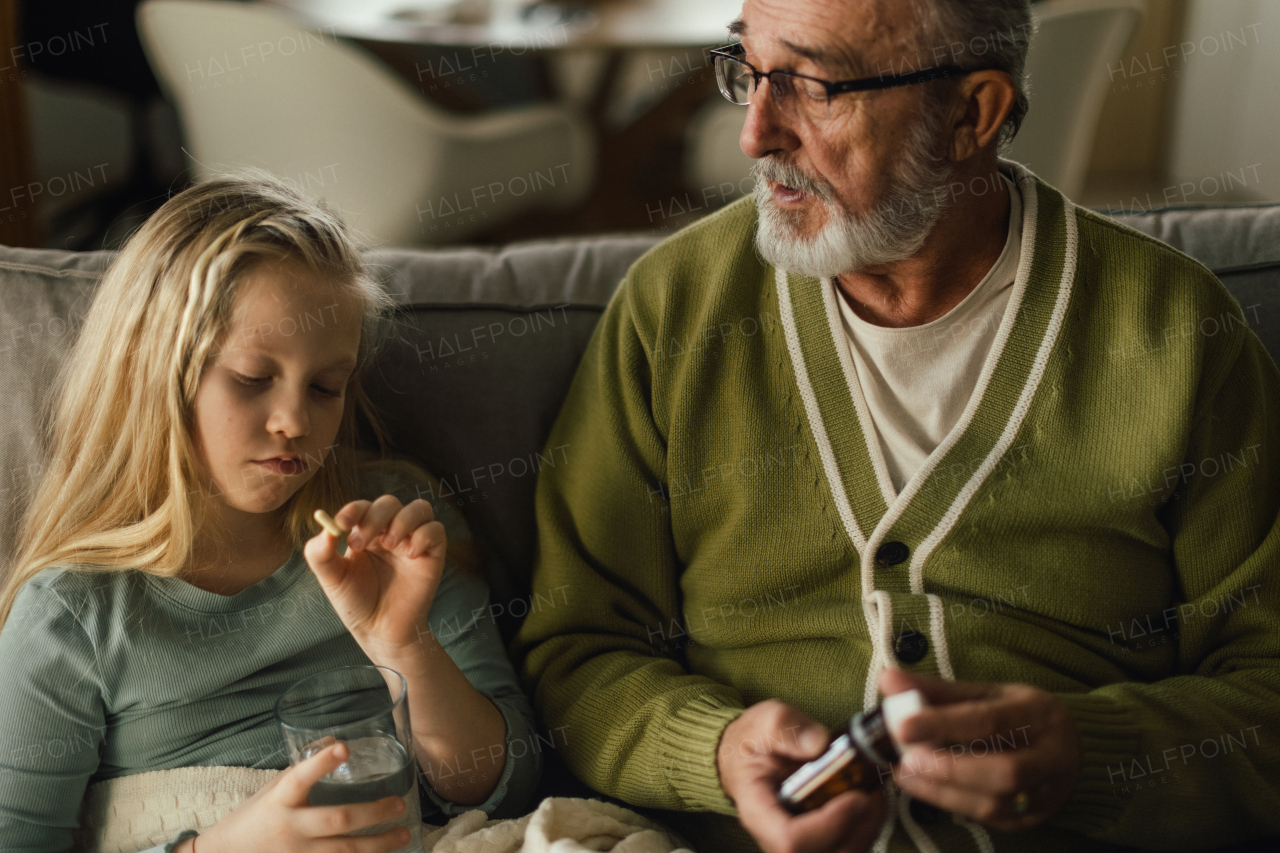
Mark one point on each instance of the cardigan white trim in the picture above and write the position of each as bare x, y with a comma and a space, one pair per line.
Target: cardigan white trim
952, 515
980, 835
913, 486
877, 605
938, 637
878, 463
814, 414
923, 842
891, 795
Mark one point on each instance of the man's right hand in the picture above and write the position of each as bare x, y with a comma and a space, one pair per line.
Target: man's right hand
761, 748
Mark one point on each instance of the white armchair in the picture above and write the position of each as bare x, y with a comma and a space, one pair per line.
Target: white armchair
254, 88
1077, 40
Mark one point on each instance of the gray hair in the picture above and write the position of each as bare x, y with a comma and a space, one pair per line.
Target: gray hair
982, 34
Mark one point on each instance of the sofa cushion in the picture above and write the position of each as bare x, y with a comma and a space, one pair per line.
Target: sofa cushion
1240, 244
44, 297
483, 356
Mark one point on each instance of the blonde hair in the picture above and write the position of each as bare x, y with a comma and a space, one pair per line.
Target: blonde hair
117, 492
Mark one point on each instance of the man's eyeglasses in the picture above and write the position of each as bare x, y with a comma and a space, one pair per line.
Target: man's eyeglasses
739, 81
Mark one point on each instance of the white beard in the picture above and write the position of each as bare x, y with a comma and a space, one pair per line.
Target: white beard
895, 229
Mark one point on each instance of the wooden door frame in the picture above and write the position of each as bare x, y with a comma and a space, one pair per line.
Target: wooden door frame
19, 225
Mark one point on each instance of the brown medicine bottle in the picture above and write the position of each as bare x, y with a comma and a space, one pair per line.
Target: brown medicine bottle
859, 757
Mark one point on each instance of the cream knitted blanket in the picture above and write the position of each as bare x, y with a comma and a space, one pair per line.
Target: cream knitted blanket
132, 813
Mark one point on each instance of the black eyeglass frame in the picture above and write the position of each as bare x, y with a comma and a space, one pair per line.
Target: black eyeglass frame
736, 52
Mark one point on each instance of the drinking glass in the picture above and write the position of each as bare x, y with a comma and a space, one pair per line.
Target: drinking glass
367, 707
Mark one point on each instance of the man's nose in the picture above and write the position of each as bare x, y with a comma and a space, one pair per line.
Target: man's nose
767, 129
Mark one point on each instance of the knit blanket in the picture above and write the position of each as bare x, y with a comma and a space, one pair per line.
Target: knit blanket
133, 813
558, 825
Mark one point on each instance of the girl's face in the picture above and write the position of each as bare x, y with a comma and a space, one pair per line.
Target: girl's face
270, 400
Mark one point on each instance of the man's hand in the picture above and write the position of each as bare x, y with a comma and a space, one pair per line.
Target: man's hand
759, 750
980, 749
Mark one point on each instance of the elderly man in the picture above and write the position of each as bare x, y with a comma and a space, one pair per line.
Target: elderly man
910, 418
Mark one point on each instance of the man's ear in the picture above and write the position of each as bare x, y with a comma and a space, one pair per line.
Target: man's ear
985, 99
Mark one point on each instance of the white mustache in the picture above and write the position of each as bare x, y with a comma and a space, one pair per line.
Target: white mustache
769, 169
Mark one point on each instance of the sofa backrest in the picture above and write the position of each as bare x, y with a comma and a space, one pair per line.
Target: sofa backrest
1241, 244
483, 354
484, 357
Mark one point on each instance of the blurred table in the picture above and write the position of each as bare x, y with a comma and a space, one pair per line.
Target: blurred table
615, 24
594, 55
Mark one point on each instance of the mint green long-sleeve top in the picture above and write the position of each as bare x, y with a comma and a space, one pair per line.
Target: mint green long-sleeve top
111, 674
1103, 523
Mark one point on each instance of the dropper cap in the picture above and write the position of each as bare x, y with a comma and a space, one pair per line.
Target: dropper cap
899, 708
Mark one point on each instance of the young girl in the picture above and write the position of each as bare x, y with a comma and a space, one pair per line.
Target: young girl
170, 581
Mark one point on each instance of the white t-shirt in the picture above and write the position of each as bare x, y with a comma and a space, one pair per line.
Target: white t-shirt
917, 380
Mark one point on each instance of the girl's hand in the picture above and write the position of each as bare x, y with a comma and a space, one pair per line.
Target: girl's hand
277, 818
383, 587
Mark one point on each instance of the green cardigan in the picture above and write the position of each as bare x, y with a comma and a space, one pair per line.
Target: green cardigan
1100, 524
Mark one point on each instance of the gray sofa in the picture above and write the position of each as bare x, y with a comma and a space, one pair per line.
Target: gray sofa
484, 353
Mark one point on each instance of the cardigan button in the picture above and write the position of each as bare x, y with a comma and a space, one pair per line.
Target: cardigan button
891, 554
911, 647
